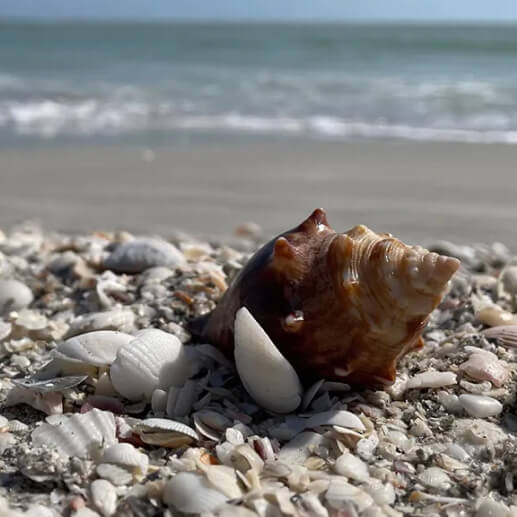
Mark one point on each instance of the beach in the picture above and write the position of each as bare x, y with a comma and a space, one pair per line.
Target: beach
142, 168
418, 191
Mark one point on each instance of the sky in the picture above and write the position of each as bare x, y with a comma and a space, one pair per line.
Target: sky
289, 10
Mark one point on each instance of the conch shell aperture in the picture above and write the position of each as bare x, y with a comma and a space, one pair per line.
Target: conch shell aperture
343, 306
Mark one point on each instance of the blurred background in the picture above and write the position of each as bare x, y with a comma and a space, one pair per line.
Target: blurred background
159, 116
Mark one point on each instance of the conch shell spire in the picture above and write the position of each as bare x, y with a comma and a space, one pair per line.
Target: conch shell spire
341, 306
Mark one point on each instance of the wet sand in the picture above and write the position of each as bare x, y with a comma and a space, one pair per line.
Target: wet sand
461, 192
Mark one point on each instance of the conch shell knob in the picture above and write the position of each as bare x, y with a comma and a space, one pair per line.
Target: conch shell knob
343, 306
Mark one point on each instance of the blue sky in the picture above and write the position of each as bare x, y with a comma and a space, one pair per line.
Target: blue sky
501, 10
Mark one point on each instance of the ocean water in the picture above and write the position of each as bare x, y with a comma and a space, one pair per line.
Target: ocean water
186, 81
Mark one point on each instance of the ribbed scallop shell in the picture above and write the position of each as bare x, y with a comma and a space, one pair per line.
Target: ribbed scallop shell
97, 348
338, 306
76, 435
153, 359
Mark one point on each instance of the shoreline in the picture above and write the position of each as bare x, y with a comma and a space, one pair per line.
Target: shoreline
417, 191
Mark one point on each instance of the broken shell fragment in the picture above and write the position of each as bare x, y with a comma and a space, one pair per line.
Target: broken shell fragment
165, 433
153, 359
116, 319
126, 455
50, 385
340, 418
191, 493
266, 374
480, 406
76, 435
140, 254
431, 379
485, 367
97, 348
50, 402
352, 467
104, 497
342, 307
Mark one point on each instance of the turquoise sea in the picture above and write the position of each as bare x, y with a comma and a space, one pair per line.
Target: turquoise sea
83, 81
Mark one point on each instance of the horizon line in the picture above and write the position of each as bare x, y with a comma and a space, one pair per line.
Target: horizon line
257, 21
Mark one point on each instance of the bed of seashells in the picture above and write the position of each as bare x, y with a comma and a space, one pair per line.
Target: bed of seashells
107, 409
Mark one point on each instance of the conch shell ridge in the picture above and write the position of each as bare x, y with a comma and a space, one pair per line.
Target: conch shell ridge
343, 306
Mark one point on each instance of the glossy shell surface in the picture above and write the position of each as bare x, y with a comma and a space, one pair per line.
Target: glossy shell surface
342, 306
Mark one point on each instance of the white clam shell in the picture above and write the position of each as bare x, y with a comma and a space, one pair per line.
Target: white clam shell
14, 295
104, 497
431, 379
480, 406
77, 434
143, 253
126, 455
341, 418
266, 374
190, 493
165, 433
97, 348
153, 359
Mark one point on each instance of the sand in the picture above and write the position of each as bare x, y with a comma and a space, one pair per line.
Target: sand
418, 191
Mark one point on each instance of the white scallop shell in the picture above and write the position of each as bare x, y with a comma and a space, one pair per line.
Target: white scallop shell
266, 374
14, 295
77, 434
97, 348
153, 360
126, 455
190, 493
143, 253
164, 424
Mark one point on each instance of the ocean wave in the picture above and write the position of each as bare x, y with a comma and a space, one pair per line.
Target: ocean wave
49, 119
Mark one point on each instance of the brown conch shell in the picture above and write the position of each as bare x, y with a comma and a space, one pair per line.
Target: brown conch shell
341, 306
